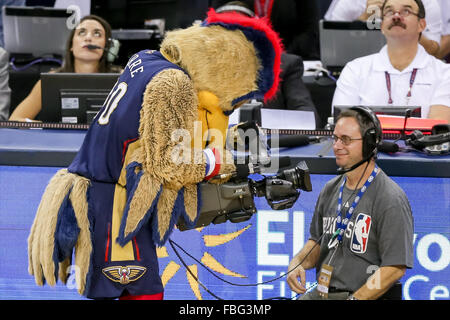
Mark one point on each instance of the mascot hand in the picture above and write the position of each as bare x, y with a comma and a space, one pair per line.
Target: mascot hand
227, 165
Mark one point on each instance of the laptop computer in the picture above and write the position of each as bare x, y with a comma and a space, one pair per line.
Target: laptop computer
35, 31
341, 42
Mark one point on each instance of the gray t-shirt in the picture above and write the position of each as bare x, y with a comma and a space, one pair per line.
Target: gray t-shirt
380, 232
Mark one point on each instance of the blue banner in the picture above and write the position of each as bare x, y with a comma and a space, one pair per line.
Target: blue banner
245, 260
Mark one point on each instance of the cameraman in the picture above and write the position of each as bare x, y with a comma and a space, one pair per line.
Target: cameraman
364, 258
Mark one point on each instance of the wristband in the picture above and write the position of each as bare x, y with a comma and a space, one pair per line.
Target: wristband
212, 162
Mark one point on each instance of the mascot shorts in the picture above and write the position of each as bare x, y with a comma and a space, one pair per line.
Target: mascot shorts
115, 270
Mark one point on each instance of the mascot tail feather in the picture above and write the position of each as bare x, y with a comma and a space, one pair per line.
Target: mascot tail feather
83, 246
61, 223
149, 200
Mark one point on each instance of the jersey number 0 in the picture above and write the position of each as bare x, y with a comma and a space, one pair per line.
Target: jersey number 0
111, 102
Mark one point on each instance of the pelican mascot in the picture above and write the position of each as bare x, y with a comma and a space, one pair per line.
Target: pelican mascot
160, 132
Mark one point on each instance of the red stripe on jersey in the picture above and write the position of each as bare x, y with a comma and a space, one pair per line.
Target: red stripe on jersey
138, 256
125, 148
107, 242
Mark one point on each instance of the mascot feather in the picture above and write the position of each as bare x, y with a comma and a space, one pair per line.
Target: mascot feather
136, 173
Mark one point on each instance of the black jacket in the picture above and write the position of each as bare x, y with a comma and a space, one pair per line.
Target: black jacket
296, 21
292, 93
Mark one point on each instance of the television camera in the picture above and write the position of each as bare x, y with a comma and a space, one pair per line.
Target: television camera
234, 200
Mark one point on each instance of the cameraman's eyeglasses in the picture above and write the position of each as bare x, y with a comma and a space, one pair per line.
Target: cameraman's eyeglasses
405, 12
346, 140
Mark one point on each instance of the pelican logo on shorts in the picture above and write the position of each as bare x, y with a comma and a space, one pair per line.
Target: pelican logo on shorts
361, 232
124, 274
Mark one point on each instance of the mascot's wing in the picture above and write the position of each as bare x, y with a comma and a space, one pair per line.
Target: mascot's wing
169, 163
168, 113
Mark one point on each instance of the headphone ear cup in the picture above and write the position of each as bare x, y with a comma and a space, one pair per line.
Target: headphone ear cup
369, 142
372, 137
113, 49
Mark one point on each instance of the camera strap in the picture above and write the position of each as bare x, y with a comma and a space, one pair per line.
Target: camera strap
341, 224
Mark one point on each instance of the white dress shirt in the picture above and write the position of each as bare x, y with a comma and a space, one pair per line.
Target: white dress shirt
363, 82
349, 10
445, 13
5, 91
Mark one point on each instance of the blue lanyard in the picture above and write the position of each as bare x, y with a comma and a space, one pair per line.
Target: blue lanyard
342, 223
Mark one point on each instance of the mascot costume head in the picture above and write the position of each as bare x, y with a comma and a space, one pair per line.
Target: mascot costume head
133, 178
232, 56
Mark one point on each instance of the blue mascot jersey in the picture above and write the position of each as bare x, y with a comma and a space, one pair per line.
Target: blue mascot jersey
116, 270
116, 125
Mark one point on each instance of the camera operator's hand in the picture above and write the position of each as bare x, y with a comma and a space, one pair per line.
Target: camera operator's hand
308, 257
297, 273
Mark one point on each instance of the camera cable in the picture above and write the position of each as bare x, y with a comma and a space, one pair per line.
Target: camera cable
173, 244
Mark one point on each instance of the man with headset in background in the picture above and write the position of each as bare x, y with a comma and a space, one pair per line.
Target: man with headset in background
367, 10
361, 234
402, 73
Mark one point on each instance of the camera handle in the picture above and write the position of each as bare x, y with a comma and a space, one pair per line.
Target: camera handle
280, 194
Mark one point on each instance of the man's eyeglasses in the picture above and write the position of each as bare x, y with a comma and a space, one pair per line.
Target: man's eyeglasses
346, 140
405, 12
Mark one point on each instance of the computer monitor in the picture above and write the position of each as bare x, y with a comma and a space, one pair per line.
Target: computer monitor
74, 97
36, 31
342, 42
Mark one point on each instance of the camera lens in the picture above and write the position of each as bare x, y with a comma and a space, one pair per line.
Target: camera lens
298, 176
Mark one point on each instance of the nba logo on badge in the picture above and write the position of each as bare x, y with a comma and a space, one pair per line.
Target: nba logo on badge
361, 232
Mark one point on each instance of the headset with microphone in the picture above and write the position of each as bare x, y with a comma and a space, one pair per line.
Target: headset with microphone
111, 49
437, 143
371, 138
